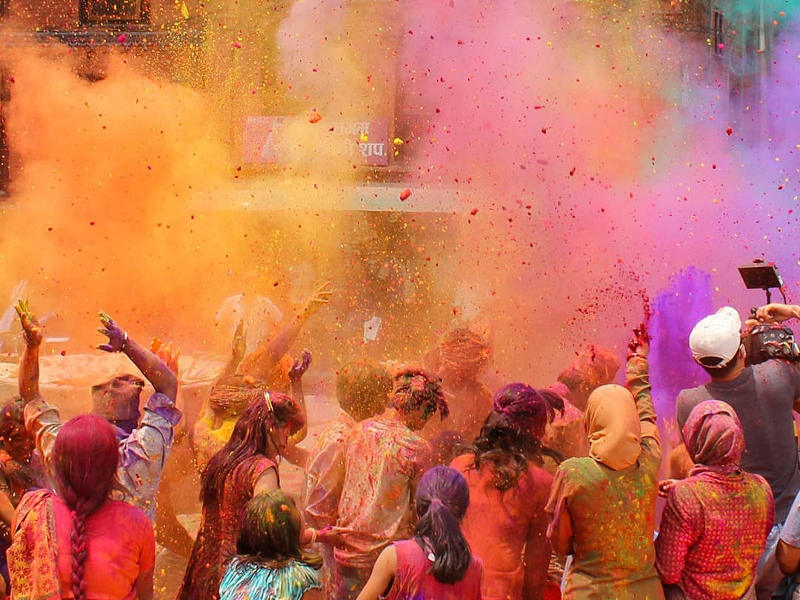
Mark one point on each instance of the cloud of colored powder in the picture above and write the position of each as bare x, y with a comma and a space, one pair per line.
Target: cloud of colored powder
601, 151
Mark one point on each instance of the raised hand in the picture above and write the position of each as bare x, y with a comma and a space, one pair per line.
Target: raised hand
776, 312
639, 344
239, 343
300, 366
115, 334
165, 352
31, 330
318, 298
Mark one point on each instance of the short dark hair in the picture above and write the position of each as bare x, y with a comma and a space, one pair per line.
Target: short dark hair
720, 372
414, 389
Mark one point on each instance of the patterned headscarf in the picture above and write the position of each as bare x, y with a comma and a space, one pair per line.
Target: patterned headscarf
714, 436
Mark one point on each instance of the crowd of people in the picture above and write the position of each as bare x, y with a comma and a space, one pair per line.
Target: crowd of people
425, 486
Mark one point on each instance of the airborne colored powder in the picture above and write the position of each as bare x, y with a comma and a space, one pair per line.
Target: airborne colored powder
580, 154
675, 311
539, 170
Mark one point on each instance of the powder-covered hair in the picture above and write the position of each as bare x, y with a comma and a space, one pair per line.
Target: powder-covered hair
271, 528
85, 457
362, 388
12, 417
594, 366
441, 501
463, 353
251, 436
511, 435
12, 426
413, 389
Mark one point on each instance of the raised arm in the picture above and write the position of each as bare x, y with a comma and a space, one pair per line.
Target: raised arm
261, 362
299, 367
29, 365
238, 350
42, 420
163, 380
637, 379
777, 313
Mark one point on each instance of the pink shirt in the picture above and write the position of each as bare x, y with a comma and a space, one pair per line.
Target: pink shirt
413, 580
121, 547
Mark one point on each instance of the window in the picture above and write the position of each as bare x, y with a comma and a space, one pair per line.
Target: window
101, 12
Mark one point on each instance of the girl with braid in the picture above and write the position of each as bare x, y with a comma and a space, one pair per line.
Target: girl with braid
77, 543
506, 523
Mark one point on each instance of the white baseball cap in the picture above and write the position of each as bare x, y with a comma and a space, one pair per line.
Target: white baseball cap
715, 339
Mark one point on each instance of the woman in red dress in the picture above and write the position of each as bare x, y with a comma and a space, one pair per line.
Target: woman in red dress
245, 467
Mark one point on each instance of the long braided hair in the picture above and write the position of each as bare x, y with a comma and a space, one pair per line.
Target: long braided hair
85, 457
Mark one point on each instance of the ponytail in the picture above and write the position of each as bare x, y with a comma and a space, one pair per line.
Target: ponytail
442, 499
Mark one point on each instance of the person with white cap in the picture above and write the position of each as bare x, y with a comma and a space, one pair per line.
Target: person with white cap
763, 396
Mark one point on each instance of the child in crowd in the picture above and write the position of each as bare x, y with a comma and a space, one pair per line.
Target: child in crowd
245, 467
436, 564
268, 562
